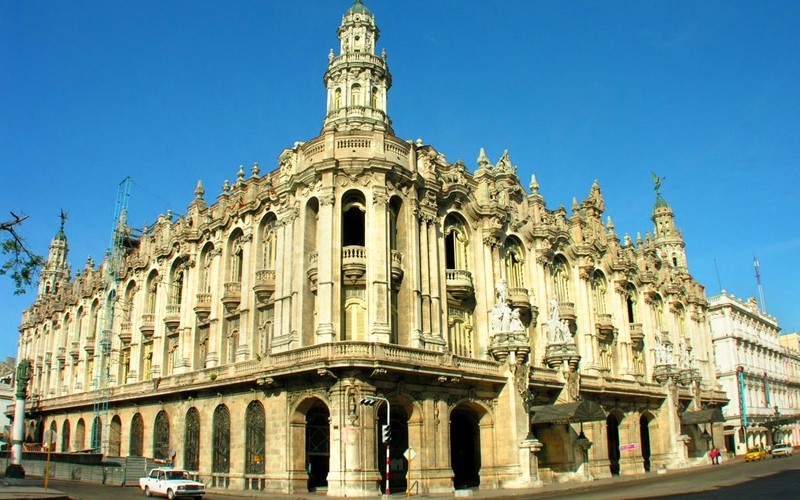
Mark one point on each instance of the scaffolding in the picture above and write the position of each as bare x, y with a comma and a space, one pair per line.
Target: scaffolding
101, 426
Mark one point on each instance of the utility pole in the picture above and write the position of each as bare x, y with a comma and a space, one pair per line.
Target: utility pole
386, 431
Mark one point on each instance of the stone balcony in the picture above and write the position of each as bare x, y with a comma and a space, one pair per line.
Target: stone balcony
637, 335
265, 285
459, 284
397, 268
148, 326
203, 306
567, 311
354, 262
61, 354
604, 327
89, 345
74, 350
313, 270
519, 298
172, 318
125, 332
232, 295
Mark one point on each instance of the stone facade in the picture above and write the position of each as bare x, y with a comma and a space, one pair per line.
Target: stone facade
245, 334
759, 371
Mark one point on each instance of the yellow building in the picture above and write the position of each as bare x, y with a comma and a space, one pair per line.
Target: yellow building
516, 344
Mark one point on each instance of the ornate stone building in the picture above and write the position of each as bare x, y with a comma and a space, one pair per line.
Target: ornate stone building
515, 343
760, 375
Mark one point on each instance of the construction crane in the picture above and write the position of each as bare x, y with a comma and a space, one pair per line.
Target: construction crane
114, 259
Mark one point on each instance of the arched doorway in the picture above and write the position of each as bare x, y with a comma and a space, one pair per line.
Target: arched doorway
398, 465
465, 448
318, 437
115, 437
644, 437
612, 432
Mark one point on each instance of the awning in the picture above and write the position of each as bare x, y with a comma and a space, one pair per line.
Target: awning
565, 413
706, 416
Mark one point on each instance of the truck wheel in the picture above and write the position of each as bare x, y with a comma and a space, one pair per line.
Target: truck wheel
147, 491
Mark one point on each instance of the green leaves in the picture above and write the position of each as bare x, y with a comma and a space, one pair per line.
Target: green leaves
20, 263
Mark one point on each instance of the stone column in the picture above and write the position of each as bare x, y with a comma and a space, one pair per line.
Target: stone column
15, 471
324, 245
378, 267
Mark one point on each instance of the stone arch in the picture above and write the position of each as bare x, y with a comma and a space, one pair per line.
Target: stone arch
136, 443
255, 439
456, 236
645, 419
65, 435
471, 442
221, 439
191, 440
161, 436
613, 423
562, 282
309, 429
514, 259
115, 437
80, 435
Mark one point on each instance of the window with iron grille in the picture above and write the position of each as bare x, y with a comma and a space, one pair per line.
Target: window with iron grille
137, 436
255, 438
161, 436
221, 440
191, 443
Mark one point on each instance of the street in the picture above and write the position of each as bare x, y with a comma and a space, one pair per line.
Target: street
737, 479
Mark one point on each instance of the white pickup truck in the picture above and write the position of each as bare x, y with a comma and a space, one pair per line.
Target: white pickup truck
172, 483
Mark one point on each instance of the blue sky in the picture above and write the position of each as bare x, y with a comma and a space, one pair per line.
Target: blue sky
704, 93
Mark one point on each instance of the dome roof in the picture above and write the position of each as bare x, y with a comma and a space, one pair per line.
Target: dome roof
358, 8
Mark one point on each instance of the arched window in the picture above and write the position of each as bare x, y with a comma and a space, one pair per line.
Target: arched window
355, 95
97, 434
205, 270
115, 434
658, 312
353, 224
161, 436
355, 314
176, 288
80, 435
375, 97
456, 243
151, 293
255, 433
460, 333
221, 440
630, 303
337, 99
561, 278
680, 319
136, 448
191, 443
236, 259
65, 430
599, 289
127, 305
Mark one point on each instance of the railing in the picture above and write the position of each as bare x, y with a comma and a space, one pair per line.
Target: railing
398, 148
356, 57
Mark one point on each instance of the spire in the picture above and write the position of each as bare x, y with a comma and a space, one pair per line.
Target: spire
666, 235
55, 270
357, 80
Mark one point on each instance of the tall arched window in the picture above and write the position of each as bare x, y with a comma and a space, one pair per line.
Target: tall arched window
221, 436
161, 436
355, 314
236, 259
205, 270
460, 333
456, 243
337, 99
80, 435
355, 94
658, 311
65, 431
176, 287
561, 278
630, 303
353, 220
136, 448
375, 97
97, 434
191, 441
599, 290
255, 438
151, 293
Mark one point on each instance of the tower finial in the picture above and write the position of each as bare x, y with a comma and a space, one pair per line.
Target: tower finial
657, 181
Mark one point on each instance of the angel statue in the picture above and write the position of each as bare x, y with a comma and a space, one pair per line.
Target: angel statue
657, 181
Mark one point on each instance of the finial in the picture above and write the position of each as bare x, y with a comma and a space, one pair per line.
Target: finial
657, 183
483, 160
199, 191
534, 185
63, 217
575, 206
331, 55
383, 54
240, 174
255, 170
638, 238
226, 186
610, 225
628, 241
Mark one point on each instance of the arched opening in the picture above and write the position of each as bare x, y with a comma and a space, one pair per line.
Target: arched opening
255, 441
465, 449
612, 432
191, 441
221, 444
317, 437
80, 435
398, 465
115, 437
97, 434
161, 437
456, 243
353, 220
65, 431
136, 447
644, 437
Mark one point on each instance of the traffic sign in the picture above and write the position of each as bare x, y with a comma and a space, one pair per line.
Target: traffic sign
410, 454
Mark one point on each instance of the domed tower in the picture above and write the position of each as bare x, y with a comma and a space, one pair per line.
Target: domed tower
55, 270
667, 236
357, 80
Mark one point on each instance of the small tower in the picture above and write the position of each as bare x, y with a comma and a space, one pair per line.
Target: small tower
55, 269
357, 80
666, 235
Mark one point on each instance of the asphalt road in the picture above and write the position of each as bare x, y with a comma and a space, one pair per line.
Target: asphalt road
771, 478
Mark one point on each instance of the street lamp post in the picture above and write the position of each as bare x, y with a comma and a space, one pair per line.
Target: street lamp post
372, 401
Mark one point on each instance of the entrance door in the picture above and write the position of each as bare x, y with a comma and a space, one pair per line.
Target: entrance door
465, 449
644, 436
612, 431
318, 436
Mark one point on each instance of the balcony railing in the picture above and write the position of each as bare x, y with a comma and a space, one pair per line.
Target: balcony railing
172, 318
125, 332
203, 306
148, 326
397, 267
232, 295
354, 262
313, 269
265, 284
637, 335
459, 284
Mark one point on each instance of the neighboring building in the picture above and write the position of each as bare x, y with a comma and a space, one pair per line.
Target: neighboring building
7, 371
790, 341
245, 334
760, 376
